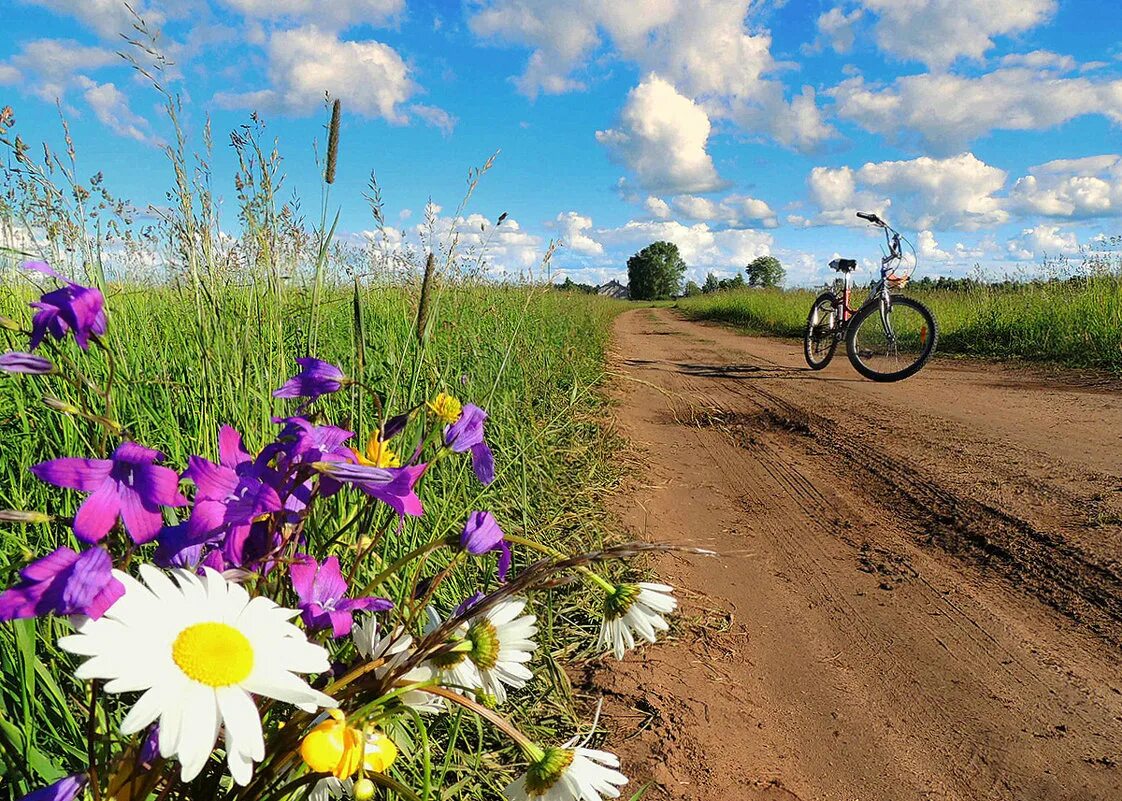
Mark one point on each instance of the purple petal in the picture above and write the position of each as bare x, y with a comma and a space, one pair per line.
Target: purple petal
157, 485
483, 463
231, 451
330, 584
504, 560
134, 453
25, 363
143, 520
98, 513
481, 533
213, 480
66, 789
84, 475
302, 572
50, 565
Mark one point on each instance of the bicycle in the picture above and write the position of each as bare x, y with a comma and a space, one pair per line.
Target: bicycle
887, 338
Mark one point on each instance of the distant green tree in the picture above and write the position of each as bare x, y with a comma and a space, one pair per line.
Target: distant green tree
569, 285
712, 283
692, 288
765, 271
655, 271
736, 282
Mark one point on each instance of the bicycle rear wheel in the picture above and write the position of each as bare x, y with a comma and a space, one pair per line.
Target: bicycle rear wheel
821, 337
891, 341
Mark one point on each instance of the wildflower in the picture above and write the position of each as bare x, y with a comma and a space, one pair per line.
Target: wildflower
466, 434
377, 454
452, 668
336, 748
635, 609
391, 485
232, 495
301, 442
63, 583
569, 774
200, 651
26, 363
393, 649
74, 307
481, 535
66, 789
447, 408
130, 486
322, 591
315, 379
501, 645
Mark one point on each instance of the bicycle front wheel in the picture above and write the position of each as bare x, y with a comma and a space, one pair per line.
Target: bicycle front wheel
891, 340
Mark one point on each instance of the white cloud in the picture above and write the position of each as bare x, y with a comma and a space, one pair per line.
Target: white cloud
109, 18
501, 251
948, 111
335, 13
436, 117
1071, 188
733, 210
700, 246
708, 51
49, 67
657, 207
837, 28
924, 193
111, 107
368, 76
937, 32
929, 249
573, 229
1043, 240
662, 138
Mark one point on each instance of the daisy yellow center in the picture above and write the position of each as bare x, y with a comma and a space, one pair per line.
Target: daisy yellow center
546, 772
617, 603
447, 407
213, 654
484, 644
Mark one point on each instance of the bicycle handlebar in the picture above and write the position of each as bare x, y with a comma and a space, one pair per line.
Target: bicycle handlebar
874, 219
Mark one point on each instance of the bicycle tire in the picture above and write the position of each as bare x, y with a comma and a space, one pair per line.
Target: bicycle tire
929, 343
808, 339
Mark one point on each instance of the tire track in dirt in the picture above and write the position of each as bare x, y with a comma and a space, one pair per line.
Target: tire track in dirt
874, 629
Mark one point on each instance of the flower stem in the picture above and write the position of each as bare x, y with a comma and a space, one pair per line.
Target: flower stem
397, 565
588, 573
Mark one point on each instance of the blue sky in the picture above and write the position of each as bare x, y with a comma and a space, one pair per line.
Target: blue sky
987, 130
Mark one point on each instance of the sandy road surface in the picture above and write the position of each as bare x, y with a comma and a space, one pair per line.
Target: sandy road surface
921, 589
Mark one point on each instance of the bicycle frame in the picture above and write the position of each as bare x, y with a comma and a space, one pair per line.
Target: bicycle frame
880, 292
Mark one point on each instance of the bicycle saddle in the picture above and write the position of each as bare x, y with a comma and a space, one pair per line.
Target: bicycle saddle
844, 265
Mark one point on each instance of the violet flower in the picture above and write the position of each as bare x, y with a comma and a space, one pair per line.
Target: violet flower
393, 486
63, 583
315, 379
466, 434
301, 442
231, 495
74, 307
482, 535
322, 592
130, 486
26, 363
66, 789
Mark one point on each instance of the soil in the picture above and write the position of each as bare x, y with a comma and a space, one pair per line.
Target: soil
919, 587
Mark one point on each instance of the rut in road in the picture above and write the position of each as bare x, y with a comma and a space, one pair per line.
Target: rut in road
919, 595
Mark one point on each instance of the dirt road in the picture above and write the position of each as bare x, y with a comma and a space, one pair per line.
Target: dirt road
920, 593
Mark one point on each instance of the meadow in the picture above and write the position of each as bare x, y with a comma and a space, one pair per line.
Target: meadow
1074, 321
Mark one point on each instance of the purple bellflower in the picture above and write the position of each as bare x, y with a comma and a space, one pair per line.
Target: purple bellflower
315, 379
466, 434
66, 789
74, 307
27, 363
130, 486
393, 486
482, 535
322, 591
63, 583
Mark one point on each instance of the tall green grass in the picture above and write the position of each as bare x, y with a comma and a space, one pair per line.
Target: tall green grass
1075, 322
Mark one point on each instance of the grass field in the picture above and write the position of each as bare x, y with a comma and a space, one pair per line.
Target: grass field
1075, 322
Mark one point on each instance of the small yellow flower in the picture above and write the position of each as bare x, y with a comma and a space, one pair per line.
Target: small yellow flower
377, 454
333, 747
447, 408
380, 752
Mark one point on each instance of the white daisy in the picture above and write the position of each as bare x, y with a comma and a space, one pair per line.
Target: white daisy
453, 669
198, 649
569, 774
395, 648
330, 788
635, 610
501, 645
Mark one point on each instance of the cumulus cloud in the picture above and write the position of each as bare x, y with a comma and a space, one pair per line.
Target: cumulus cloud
304, 63
1071, 188
108, 18
662, 138
733, 210
937, 32
502, 250
336, 13
947, 111
924, 193
1043, 240
837, 28
657, 207
111, 107
701, 246
573, 229
707, 51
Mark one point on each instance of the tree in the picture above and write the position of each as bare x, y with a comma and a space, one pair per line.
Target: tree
692, 289
712, 284
765, 271
655, 271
